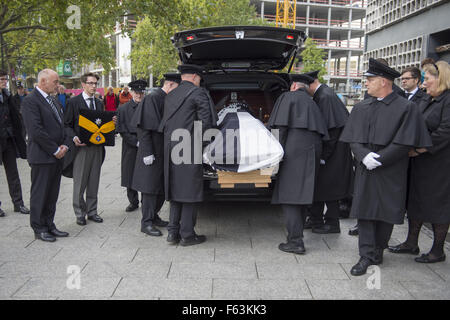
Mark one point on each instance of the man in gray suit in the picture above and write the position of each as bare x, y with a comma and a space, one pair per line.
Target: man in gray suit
84, 164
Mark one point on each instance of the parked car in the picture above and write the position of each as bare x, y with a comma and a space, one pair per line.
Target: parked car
245, 61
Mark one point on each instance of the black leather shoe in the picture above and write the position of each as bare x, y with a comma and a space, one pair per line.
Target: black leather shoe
404, 248
45, 236
81, 221
378, 256
353, 231
292, 248
425, 258
197, 239
361, 267
310, 224
57, 233
22, 209
95, 218
160, 223
326, 228
173, 238
131, 207
151, 231
2, 213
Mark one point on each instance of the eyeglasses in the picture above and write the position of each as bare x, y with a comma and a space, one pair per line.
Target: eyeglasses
3, 78
92, 83
406, 78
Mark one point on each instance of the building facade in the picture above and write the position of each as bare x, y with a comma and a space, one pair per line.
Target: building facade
404, 32
338, 27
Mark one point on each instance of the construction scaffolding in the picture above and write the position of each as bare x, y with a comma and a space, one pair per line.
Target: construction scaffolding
286, 13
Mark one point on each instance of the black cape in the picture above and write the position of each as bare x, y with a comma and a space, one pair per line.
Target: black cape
301, 128
429, 197
129, 141
146, 119
390, 128
335, 178
183, 181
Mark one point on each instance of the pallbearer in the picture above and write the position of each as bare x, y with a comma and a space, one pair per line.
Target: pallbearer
130, 140
335, 179
301, 130
381, 130
183, 169
148, 175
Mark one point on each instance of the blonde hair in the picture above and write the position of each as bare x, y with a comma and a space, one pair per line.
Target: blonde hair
442, 73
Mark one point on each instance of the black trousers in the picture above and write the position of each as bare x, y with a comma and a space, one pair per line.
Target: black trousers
183, 217
331, 216
133, 196
151, 205
9, 160
373, 235
45, 183
295, 216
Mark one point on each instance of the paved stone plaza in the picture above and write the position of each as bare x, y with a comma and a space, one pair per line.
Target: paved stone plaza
240, 260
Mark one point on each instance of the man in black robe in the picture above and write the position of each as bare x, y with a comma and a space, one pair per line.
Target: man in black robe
335, 178
396, 89
381, 130
301, 130
130, 141
187, 107
148, 176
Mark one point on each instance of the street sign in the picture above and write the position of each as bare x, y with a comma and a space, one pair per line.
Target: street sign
64, 68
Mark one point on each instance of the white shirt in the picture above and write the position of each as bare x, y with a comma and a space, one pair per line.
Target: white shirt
86, 98
317, 88
412, 93
45, 95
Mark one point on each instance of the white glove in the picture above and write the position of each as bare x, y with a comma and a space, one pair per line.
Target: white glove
370, 162
322, 161
149, 160
137, 144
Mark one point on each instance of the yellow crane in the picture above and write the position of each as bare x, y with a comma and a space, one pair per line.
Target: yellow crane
286, 13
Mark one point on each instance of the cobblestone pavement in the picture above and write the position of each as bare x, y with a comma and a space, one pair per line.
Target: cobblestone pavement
240, 260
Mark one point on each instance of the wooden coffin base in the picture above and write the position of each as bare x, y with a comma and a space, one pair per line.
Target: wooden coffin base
260, 178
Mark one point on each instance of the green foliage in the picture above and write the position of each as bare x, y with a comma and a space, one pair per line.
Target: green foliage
313, 58
152, 47
36, 34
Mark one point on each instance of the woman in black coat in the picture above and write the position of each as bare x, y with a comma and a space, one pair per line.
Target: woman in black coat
429, 193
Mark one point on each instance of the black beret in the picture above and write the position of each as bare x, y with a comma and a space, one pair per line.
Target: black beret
303, 78
313, 74
138, 85
377, 69
190, 68
175, 77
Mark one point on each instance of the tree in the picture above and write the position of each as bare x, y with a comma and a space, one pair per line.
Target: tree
37, 34
152, 47
313, 58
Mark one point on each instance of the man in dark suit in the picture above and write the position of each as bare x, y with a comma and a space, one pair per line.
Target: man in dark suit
47, 145
410, 83
12, 143
84, 163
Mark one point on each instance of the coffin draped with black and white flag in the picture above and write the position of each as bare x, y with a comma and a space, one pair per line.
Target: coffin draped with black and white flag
244, 143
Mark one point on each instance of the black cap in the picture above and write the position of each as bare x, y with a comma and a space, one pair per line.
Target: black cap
313, 74
378, 69
175, 77
303, 78
19, 84
190, 68
138, 85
